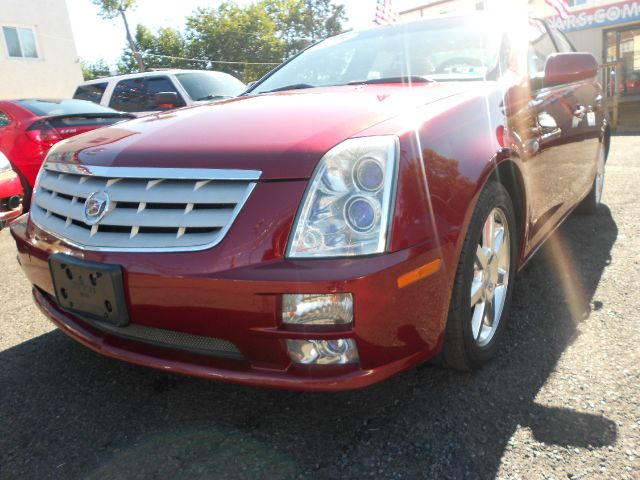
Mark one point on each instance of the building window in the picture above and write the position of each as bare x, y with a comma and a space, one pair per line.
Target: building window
20, 41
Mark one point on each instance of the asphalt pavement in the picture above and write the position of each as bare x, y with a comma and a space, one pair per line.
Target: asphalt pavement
561, 400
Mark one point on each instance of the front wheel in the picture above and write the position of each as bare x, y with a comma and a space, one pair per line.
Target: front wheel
484, 282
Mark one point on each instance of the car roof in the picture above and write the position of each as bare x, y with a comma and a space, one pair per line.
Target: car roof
148, 73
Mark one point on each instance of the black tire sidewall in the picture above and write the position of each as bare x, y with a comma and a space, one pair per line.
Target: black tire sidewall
589, 205
493, 196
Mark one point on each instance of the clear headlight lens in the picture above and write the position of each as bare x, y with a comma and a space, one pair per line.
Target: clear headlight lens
347, 205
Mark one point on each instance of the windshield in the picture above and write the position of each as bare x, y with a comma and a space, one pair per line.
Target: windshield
209, 85
440, 49
62, 107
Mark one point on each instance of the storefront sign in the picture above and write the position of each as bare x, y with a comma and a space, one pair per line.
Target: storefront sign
621, 12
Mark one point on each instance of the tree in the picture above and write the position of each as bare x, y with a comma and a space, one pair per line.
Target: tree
110, 9
165, 49
95, 70
245, 41
234, 34
268, 31
302, 22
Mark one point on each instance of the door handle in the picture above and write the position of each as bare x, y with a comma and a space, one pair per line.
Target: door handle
580, 111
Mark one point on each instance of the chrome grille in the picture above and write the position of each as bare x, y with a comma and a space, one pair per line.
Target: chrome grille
162, 209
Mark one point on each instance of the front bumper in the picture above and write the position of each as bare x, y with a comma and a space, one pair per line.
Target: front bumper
394, 328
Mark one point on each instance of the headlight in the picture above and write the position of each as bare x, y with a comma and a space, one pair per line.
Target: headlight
347, 205
4, 163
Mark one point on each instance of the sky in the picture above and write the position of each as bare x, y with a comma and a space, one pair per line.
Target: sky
96, 38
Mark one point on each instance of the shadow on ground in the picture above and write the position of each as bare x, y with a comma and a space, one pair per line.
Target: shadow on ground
69, 413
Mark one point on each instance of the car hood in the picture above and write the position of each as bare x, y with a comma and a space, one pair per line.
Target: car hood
282, 134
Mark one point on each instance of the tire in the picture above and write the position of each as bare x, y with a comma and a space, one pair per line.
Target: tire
590, 204
26, 189
470, 339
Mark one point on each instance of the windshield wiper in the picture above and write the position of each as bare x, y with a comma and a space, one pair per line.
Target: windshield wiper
295, 86
213, 97
406, 79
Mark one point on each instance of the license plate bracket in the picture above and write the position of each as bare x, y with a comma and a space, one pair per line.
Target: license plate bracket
89, 289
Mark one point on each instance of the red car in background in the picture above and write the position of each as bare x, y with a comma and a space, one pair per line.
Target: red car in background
10, 193
30, 127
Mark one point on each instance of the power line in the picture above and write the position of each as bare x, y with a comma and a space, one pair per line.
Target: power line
207, 61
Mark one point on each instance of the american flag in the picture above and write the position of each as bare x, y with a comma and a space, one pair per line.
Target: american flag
385, 13
559, 6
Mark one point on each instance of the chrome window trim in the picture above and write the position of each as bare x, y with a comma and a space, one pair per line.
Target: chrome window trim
155, 173
126, 172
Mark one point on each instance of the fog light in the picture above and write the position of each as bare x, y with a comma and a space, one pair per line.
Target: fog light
317, 309
323, 352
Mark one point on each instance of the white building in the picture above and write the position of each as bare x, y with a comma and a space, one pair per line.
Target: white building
37, 53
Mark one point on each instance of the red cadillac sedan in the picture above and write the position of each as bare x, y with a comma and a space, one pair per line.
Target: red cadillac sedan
361, 209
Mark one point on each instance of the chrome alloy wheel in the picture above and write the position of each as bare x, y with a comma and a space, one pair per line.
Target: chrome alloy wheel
599, 181
490, 277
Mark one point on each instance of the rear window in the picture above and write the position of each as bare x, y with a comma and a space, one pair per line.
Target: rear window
208, 86
61, 107
92, 92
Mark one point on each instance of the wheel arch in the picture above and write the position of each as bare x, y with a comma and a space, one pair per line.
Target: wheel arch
509, 175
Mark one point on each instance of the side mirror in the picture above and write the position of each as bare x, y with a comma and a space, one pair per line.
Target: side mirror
569, 67
251, 83
166, 100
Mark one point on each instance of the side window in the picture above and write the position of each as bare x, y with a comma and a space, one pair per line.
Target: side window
540, 47
129, 96
92, 92
158, 85
4, 119
562, 41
